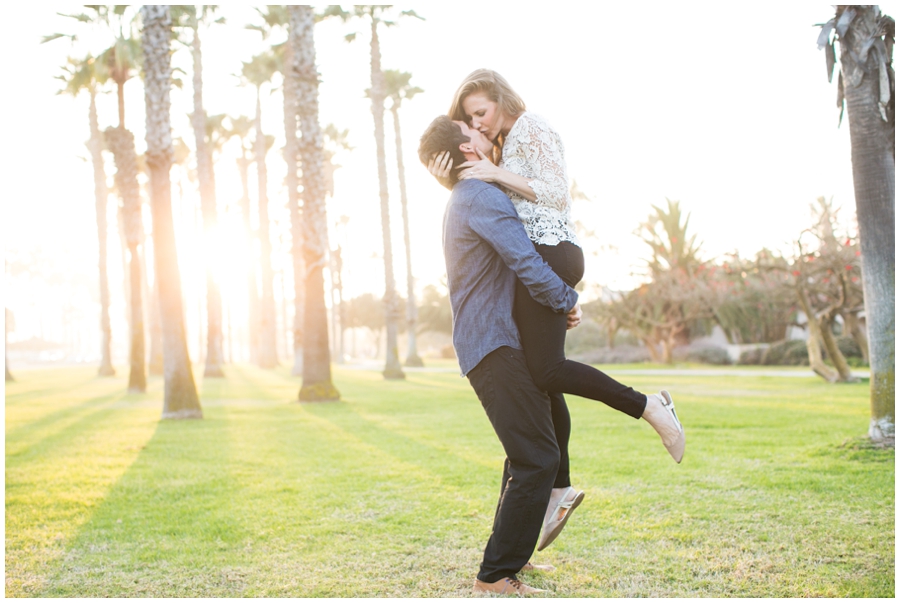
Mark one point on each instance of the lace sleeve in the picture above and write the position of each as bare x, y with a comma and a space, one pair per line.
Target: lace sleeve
536, 152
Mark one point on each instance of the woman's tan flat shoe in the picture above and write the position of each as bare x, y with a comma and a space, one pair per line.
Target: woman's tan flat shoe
557, 520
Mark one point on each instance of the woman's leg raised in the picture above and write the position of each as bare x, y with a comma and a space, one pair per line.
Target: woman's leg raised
543, 334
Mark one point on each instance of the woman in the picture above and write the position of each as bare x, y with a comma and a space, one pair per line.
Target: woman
532, 171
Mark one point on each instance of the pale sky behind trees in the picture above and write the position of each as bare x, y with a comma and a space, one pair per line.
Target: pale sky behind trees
728, 111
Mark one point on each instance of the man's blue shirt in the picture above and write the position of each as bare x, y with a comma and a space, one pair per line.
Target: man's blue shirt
486, 249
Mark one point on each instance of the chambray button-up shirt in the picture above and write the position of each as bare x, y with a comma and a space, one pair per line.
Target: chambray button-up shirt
486, 249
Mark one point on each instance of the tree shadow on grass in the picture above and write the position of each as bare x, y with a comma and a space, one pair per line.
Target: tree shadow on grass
85, 413
269, 499
57, 469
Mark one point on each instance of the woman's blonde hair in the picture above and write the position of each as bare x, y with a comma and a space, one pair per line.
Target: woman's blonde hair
497, 89
494, 86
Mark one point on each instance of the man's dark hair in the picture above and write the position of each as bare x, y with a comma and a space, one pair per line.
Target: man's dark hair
443, 135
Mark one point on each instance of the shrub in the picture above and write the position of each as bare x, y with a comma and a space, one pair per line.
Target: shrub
705, 354
848, 347
621, 354
790, 352
584, 338
752, 356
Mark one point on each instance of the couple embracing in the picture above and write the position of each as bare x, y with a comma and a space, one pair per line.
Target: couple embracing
512, 260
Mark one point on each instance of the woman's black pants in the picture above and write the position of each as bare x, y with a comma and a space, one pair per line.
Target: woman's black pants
543, 334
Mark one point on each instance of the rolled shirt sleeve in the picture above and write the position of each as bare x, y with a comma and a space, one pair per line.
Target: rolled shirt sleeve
494, 218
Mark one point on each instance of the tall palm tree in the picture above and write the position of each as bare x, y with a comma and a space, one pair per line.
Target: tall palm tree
276, 17
154, 328
398, 88
375, 15
317, 384
155, 365
81, 75
241, 127
181, 399
258, 71
194, 16
866, 83
118, 63
121, 143
335, 142
291, 158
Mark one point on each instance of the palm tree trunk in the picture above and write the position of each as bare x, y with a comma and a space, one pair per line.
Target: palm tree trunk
155, 363
412, 352
317, 384
207, 181
290, 157
337, 304
268, 351
120, 93
121, 142
252, 292
101, 195
137, 378
180, 399
392, 369
872, 154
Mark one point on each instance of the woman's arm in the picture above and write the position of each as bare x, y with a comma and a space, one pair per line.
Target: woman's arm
536, 150
488, 172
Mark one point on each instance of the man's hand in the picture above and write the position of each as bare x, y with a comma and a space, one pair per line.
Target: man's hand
573, 317
439, 167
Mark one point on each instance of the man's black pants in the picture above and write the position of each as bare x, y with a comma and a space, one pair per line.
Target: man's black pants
520, 415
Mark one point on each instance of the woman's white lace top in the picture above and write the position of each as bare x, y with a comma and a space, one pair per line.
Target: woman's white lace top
534, 150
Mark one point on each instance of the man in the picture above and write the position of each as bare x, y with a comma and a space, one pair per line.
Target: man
486, 250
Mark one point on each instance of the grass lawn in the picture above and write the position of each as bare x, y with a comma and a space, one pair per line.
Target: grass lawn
391, 492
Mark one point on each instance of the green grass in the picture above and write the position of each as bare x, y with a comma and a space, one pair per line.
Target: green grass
391, 492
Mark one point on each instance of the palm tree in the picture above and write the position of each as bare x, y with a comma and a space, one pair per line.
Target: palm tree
118, 63
335, 142
258, 71
277, 17
241, 127
215, 357
317, 384
81, 75
398, 88
121, 143
375, 14
181, 399
155, 358
155, 364
866, 83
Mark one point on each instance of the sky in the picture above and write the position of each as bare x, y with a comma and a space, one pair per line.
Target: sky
727, 111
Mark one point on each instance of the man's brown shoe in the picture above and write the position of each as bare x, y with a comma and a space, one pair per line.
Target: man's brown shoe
504, 586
